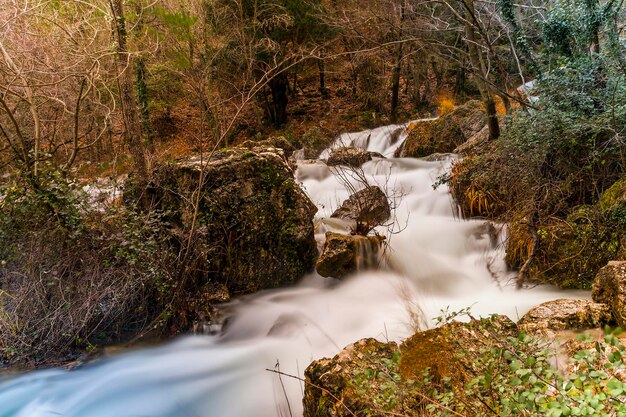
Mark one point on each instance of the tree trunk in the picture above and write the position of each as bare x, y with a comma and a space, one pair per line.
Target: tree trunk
132, 124
279, 86
395, 78
395, 85
322, 70
480, 72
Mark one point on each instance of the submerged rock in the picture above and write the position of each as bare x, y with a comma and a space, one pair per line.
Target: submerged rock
348, 156
609, 288
564, 314
465, 125
254, 225
345, 254
369, 206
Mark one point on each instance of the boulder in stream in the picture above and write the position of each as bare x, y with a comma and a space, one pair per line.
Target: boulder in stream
369, 207
466, 124
609, 288
349, 156
565, 314
345, 254
254, 224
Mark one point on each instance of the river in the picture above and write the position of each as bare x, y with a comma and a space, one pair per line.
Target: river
434, 261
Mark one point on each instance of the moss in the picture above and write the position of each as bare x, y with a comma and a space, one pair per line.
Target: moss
255, 222
616, 193
447, 132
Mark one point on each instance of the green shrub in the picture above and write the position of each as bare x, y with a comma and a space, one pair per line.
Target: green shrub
549, 162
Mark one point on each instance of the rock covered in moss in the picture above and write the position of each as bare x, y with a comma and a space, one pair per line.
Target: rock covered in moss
564, 314
570, 251
345, 254
437, 349
254, 225
349, 156
464, 125
369, 206
609, 288
372, 378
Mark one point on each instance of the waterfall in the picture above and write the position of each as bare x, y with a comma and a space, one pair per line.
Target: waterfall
434, 260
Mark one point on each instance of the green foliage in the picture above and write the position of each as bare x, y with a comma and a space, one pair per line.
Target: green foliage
510, 376
516, 377
572, 25
549, 162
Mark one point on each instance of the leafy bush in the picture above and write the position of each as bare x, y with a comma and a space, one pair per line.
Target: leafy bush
548, 163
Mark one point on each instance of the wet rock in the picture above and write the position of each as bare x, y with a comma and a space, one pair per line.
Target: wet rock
254, 224
565, 314
464, 125
609, 288
353, 157
345, 254
369, 207
354, 382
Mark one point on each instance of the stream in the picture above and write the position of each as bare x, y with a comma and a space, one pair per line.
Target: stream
434, 260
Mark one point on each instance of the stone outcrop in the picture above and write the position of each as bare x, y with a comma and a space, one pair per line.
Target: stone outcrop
564, 314
279, 142
345, 254
465, 125
369, 206
348, 156
254, 225
609, 288
374, 378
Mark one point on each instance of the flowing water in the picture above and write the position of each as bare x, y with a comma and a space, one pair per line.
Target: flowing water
434, 261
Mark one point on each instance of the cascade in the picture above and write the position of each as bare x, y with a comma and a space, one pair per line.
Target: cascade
434, 260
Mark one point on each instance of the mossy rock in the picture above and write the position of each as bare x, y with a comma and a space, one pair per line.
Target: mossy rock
376, 379
345, 385
254, 224
569, 252
279, 142
616, 194
446, 133
437, 349
343, 255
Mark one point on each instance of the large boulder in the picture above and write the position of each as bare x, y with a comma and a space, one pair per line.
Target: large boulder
564, 314
464, 125
254, 225
349, 156
345, 254
609, 288
369, 207
372, 378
